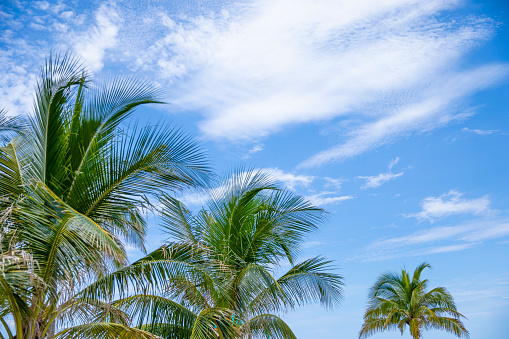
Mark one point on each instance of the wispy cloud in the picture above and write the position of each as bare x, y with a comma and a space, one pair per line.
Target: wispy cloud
49, 27
431, 111
334, 183
254, 68
377, 180
255, 149
290, 180
480, 131
310, 244
452, 203
92, 44
323, 199
436, 240
393, 162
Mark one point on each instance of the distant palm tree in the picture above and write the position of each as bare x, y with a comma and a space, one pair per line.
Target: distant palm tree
396, 301
73, 188
218, 280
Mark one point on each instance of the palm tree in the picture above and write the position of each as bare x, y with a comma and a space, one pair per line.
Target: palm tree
396, 301
73, 189
218, 279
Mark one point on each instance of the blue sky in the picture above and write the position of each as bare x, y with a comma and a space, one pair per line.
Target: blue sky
390, 114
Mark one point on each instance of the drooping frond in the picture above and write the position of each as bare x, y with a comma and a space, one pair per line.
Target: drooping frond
267, 326
151, 310
451, 325
169, 264
103, 331
10, 126
10, 180
65, 243
310, 281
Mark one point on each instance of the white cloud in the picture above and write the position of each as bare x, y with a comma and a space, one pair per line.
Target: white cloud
437, 240
321, 199
255, 149
377, 180
16, 83
333, 183
291, 181
92, 44
67, 15
43, 5
452, 203
252, 69
310, 244
197, 199
432, 111
479, 131
393, 162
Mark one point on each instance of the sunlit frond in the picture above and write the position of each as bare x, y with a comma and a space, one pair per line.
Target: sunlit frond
103, 331
267, 326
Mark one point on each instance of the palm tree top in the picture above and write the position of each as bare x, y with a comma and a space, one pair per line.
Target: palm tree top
397, 301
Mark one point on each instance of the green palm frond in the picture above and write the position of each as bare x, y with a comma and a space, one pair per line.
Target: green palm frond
103, 331
265, 326
307, 282
168, 331
169, 264
178, 221
11, 181
48, 132
78, 311
10, 126
214, 322
65, 243
153, 310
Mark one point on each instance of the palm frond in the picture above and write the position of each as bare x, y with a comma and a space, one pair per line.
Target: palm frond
103, 331
267, 326
147, 309
310, 281
10, 126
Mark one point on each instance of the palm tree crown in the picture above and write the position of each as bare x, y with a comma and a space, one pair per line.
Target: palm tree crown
218, 278
72, 189
398, 301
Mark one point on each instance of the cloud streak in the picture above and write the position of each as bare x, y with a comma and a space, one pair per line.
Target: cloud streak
452, 203
435, 240
375, 181
428, 113
322, 199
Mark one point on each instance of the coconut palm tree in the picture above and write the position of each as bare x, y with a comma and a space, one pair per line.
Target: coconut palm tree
218, 278
398, 301
73, 188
